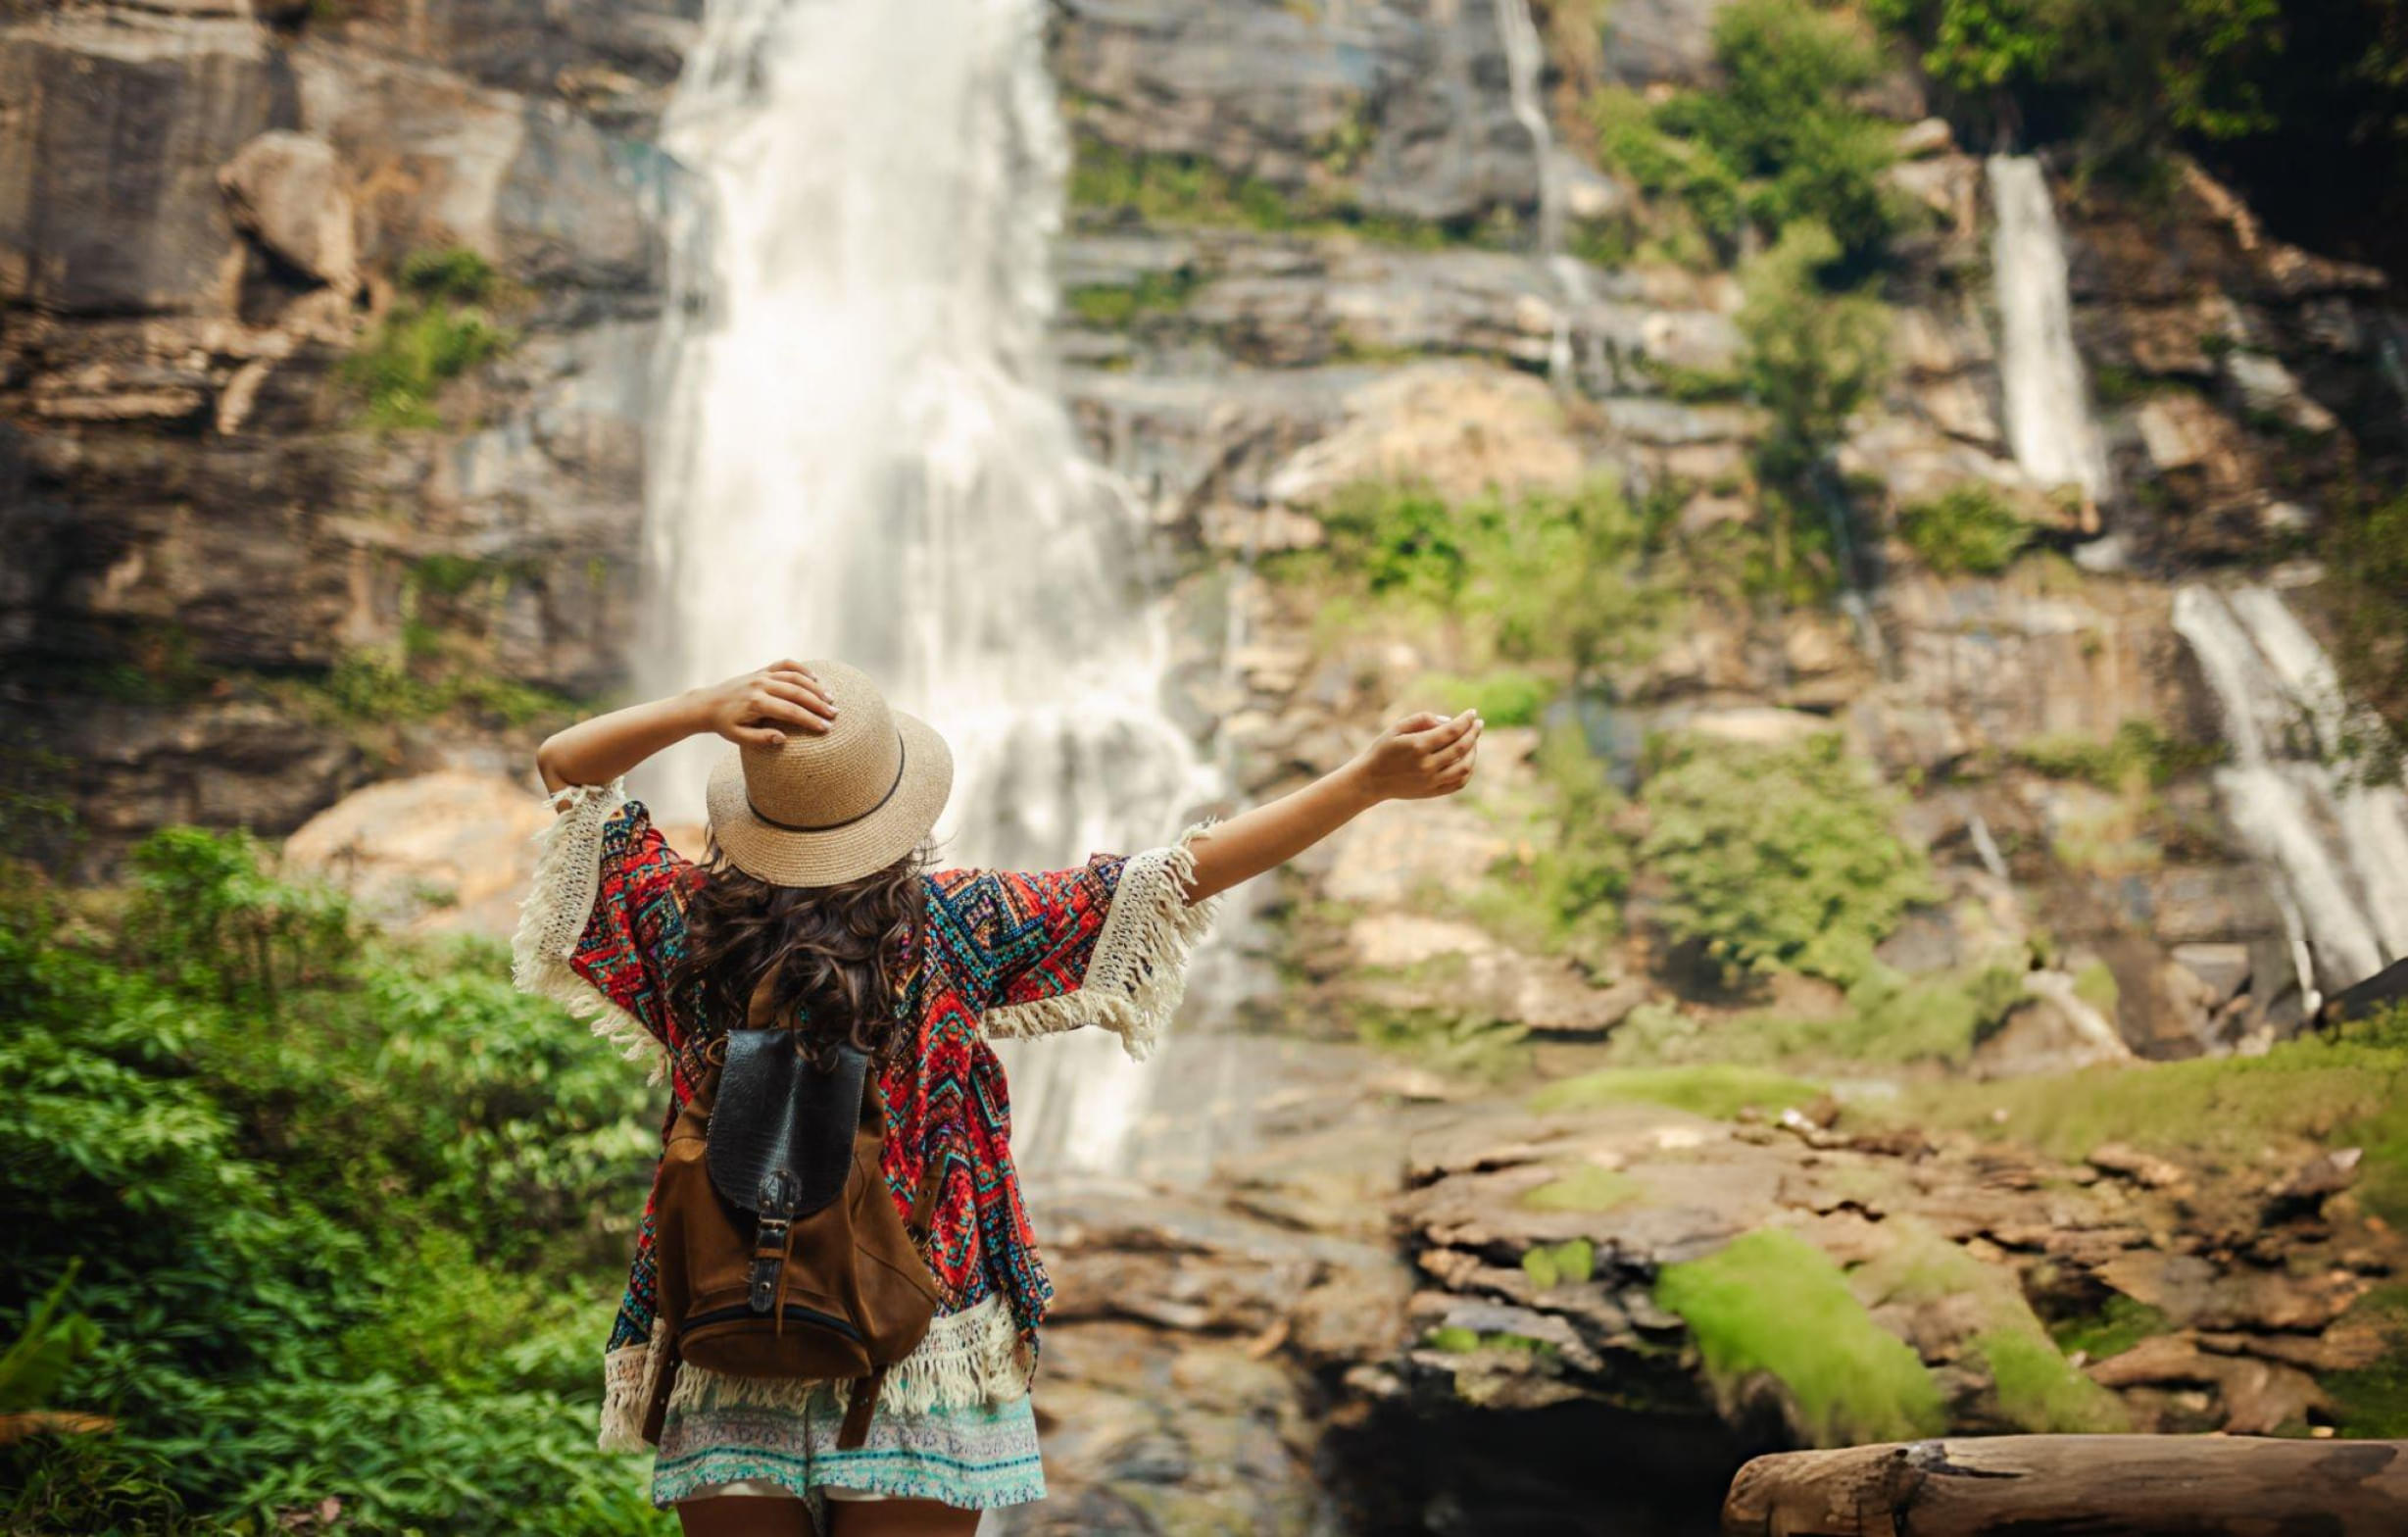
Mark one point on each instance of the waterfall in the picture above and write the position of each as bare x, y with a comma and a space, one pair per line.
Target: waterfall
1525, 64
2339, 845
861, 452
2047, 398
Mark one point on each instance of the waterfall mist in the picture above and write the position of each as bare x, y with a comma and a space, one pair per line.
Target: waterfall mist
862, 454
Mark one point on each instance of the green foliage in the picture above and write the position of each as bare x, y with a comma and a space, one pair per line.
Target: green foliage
1545, 578
436, 332
1503, 696
2366, 550
368, 688
2129, 74
1967, 529
1771, 1303
51, 1341
2371, 1402
1775, 143
2140, 755
1717, 1090
1176, 191
361, 1249
1117, 304
1560, 892
1778, 856
1812, 356
1465, 1044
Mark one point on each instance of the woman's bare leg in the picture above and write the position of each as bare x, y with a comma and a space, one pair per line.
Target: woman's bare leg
745, 1516
899, 1518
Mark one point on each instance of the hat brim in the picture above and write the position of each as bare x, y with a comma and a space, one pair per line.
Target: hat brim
830, 857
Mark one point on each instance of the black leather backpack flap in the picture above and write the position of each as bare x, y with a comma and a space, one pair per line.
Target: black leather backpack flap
778, 1110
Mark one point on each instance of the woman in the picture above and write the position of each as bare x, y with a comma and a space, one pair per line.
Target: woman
820, 816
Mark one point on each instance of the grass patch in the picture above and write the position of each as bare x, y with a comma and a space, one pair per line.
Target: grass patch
2140, 755
1468, 1046
1114, 305
2371, 1402
1778, 856
1966, 530
1771, 1303
366, 689
1585, 1187
1503, 696
2348, 1088
1716, 1090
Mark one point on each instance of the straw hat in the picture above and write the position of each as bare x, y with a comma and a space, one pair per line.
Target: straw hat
830, 807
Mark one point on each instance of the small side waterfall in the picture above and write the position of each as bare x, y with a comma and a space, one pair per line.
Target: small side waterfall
2340, 847
1525, 66
862, 454
2049, 416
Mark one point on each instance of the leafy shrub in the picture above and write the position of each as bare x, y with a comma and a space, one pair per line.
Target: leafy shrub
2367, 550
1190, 191
1545, 578
1811, 357
1966, 529
1778, 857
1561, 892
1503, 696
1888, 1020
435, 332
2140, 755
363, 1251
367, 688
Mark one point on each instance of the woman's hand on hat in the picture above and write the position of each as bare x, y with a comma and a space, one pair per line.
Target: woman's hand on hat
759, 708
1420, 757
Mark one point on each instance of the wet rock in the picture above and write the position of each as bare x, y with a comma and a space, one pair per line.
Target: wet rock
1651, 41
2156, 1173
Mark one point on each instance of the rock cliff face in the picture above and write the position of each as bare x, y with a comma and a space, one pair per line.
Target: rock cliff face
210, 210
269, 540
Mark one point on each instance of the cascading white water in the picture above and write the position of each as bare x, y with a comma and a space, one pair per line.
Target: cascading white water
1517, 34
862, 454
2048, 417
2341, 846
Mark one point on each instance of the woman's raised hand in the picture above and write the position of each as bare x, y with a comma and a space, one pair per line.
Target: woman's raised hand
758, 709
1420, 757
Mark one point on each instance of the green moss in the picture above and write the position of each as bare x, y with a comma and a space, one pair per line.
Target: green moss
1778, 856
1465, 1045
2094, 984
2120, 1323
454, 272
1772, 1304
1115, 305
1585, 1187
1717, 1090
1453, 1339
1966, 529
2039, 1390
1568, 1264
2371, 1402
366, 689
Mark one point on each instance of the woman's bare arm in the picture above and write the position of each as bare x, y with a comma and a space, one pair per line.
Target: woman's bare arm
754, 708
1419, 757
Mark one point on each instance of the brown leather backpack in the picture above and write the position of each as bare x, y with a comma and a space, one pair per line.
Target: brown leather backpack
781, 1252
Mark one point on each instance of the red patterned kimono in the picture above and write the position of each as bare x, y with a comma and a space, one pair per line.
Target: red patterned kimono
1004, 955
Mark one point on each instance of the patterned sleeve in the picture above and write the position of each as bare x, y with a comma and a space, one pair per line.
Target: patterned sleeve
602, 920
1105, 943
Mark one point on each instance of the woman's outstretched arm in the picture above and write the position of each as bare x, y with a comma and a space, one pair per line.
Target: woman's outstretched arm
1419, 757
754, 708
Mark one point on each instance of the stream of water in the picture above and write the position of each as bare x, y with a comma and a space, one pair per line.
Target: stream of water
2049, 419
862, 454
2341, 846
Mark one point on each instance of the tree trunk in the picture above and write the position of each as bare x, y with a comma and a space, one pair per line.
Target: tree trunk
2076, 1486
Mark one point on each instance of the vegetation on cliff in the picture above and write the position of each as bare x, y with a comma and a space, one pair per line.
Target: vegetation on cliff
348, 1213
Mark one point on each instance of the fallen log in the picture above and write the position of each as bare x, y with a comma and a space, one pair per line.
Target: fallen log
2076, 1486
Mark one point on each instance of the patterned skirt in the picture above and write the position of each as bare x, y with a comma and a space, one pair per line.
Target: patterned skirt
978, 1457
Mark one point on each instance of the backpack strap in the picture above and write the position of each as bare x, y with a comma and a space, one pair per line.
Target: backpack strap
863, 1404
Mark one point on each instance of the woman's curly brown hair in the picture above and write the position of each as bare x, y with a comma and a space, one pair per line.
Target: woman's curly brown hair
837, 950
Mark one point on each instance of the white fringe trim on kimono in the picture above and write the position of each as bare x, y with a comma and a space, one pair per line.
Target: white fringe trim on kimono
1138, 973
972, 1357
553, 917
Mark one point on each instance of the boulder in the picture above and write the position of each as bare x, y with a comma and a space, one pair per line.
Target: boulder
1460, 428
285, 190
442, 852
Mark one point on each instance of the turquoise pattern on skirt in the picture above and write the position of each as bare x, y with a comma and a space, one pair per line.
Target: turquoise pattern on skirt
978, 1458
